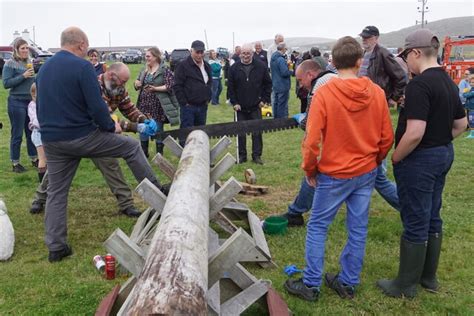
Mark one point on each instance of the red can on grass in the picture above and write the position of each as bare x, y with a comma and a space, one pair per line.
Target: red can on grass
109, 267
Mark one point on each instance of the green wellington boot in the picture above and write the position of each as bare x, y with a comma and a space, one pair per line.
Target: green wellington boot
428, 277
412, 260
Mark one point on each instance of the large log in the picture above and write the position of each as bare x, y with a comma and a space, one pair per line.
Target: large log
174, 279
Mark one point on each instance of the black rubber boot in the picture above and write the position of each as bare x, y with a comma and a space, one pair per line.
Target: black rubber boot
412, 260
159, 148
144, 144
428, 277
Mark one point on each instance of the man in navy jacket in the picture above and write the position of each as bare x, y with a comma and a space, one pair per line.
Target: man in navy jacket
75, 123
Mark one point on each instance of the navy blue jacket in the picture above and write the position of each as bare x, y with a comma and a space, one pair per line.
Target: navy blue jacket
281, 75
69, 102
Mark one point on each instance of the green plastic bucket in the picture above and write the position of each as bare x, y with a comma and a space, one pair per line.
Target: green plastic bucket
275, 225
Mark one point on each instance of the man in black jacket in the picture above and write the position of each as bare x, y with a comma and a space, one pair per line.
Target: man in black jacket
193, 84
250, 88
260, 53
382, 68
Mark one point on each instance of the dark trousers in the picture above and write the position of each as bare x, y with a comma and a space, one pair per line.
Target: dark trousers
64, 158
420, 182
113, 176
192, 115
257, 140
18, 114
216, 90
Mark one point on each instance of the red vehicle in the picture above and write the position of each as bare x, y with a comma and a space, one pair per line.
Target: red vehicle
458, 55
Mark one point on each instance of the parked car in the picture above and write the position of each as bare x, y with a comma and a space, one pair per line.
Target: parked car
114, 56
39, 57
132, 56
177, 55
222, 52
4, 56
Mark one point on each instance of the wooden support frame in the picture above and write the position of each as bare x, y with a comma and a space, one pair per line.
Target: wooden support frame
221, 167
173, 146
223, 196
127, 253
219, 147
151, 194
165, 166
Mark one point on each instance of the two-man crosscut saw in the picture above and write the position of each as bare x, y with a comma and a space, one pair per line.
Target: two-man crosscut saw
239, 128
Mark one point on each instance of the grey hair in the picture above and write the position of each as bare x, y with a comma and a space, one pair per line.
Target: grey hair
72, 36
281, 46
247, 46
117, 67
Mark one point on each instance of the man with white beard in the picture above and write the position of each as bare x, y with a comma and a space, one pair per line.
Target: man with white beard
113, 91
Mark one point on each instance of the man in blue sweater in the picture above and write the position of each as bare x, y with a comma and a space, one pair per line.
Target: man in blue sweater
75, 123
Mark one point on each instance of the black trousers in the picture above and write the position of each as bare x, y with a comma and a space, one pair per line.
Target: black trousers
257, 140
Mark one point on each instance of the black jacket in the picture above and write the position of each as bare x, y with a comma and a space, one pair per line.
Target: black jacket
190, 87
387, 73
249, 91
261, 56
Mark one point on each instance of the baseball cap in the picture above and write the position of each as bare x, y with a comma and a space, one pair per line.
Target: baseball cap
198, 45
369, 31
418, 39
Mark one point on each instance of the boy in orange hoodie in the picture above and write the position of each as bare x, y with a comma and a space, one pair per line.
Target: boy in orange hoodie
350, 122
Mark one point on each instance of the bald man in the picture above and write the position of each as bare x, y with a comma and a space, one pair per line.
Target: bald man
113, 91
75, 123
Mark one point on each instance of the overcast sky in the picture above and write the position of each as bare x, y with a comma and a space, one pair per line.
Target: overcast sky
176, 24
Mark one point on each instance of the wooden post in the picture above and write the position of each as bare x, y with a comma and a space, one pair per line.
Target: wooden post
174, 279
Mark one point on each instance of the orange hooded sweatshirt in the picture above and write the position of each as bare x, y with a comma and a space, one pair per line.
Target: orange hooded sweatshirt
349, 131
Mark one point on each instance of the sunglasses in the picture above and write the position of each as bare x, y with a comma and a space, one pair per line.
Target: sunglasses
405, 55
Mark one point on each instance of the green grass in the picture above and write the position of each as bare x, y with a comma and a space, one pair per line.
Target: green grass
30, 285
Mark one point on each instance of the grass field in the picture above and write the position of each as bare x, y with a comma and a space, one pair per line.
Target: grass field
30, 285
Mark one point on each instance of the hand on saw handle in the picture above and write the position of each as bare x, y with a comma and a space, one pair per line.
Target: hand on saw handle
148, 128
299, 117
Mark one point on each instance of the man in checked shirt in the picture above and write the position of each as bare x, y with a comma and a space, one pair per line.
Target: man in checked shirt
112, 85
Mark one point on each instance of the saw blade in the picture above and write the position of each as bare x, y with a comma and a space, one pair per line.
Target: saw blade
233, 129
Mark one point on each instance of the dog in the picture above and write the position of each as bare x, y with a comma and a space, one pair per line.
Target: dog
7, 235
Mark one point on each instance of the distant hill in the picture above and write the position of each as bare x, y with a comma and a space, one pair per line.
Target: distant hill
451, 26
300, 43
441, 28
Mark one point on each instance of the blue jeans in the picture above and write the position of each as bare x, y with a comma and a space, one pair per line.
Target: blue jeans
329, 195
303, 200
280, 104
18, 114
420, 181
216, 90
386, 188
192, 115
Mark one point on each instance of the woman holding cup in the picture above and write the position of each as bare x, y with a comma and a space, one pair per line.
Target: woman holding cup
18, 76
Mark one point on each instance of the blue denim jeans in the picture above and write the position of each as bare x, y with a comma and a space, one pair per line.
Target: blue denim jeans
386, 188
420, 181
329, 195
304, 199
192, 115
280, 104
216, 90
18, 114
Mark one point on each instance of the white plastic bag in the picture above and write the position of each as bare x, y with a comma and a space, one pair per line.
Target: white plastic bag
7, 235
